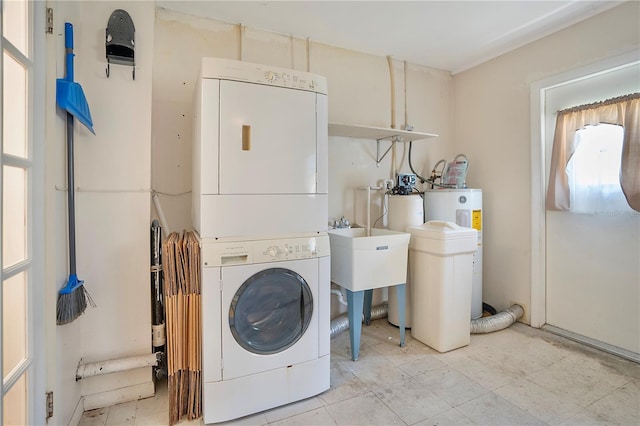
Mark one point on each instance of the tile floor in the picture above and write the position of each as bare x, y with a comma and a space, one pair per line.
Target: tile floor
517, 376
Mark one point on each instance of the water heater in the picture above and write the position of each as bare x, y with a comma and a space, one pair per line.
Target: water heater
463, 207
404, 211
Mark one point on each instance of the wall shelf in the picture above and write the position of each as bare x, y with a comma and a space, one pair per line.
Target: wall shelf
378, 134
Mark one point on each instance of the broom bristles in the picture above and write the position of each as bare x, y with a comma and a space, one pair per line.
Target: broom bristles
72, 304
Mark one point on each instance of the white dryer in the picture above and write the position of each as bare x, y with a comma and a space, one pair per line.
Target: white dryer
266, 323
260, 151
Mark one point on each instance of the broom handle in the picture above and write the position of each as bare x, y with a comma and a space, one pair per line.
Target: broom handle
68, 47
71, 196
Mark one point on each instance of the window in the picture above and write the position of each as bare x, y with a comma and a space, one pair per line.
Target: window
623, 111
593, 171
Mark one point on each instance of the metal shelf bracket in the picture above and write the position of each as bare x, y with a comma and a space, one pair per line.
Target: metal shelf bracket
379, 158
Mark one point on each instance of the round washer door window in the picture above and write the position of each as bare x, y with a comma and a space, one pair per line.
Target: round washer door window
271, 311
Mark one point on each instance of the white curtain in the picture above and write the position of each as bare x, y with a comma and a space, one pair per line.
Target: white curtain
594, 171
623, 111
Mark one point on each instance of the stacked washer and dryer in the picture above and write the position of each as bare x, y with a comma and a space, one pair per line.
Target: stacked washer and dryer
260, 207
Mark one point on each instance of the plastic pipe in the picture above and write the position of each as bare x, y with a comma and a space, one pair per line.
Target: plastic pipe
496, 322
117, 365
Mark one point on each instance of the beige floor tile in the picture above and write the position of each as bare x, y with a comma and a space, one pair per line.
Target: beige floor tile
340, 348
451, 386
580, 378
453, 417
412, 351
384, 376
293, 409
344, 385
523, 356
491, 409
620, 407
318, 417
369, 359
539, 402
422, 365
481, 371
154, 404
366, 410
122, 414
155, 418
411, 401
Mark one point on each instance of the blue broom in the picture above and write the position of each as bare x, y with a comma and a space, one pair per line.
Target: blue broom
73, 297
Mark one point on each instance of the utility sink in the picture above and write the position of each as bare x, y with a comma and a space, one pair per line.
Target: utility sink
360, 262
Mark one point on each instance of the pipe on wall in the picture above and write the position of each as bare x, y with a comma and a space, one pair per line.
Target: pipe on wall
117, 365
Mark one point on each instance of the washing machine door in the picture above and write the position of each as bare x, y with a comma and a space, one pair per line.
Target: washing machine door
271, 311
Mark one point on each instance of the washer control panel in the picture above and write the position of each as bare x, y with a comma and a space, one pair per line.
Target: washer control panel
280, 250
262, 251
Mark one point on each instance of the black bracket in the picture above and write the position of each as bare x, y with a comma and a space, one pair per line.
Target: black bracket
120, 40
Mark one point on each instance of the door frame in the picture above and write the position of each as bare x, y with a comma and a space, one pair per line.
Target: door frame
36, 286
538, 92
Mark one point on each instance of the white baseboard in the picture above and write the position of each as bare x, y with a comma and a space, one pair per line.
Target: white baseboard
118, 396
77, 413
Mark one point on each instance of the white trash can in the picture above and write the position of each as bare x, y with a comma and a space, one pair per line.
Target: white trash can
441, 272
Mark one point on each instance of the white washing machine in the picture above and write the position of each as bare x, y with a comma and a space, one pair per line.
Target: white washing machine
260, 150
266, 323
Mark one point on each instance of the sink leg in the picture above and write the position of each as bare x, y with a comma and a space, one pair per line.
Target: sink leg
400, 295
355, 302
368, 298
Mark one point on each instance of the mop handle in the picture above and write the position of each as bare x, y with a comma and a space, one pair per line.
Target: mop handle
68, 46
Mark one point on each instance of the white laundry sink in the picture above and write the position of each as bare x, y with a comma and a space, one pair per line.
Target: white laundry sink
361, 262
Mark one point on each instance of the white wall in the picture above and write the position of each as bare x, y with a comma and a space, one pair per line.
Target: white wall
113, 179
492, 100
359, 93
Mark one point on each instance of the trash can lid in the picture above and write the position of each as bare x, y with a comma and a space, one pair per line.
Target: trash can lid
442, 230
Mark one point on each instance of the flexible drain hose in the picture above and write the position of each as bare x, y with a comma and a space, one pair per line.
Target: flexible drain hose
496, 322
341, 323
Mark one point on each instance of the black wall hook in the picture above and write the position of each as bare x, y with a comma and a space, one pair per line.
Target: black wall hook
120, 41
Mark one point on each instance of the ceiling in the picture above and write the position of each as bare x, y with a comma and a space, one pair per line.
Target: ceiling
449, 35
